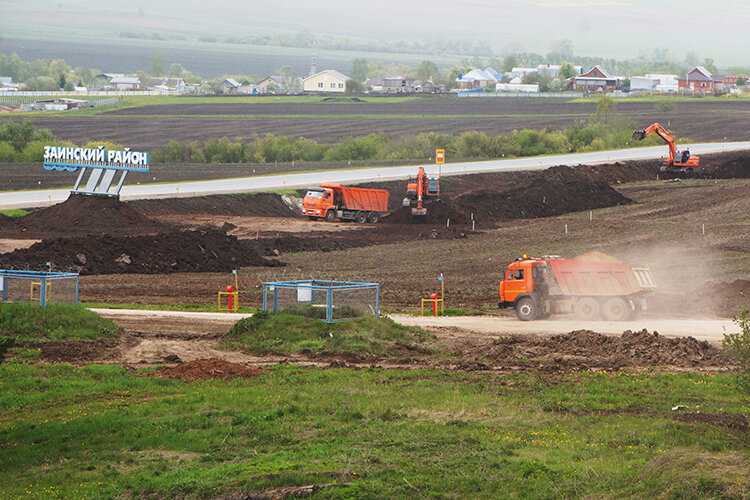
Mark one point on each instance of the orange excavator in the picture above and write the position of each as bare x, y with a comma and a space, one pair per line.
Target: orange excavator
424, 187
678, 161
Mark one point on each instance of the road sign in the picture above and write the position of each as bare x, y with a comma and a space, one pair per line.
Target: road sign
439, 156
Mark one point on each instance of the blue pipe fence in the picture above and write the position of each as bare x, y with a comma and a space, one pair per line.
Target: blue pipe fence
39, 286
341, 300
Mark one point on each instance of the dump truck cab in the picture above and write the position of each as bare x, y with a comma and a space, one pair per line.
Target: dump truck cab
525, 286
317, 202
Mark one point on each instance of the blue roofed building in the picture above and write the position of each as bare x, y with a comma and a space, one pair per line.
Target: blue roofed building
478, 79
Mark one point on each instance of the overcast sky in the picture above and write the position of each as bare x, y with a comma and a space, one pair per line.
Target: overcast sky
621, 29
614, 28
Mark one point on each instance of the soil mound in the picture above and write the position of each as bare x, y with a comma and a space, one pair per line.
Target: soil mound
258, 204
207, 250
584, 349
553, 191
731, 165
83, 214
202, 369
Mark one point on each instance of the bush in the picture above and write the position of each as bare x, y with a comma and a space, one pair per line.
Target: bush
737, 347
7, 152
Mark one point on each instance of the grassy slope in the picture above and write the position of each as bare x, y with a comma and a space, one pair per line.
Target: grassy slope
288, 333
57, 321
103, 431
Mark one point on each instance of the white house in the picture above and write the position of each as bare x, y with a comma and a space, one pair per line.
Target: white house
126, 83
667, 83
521, 72
328, 80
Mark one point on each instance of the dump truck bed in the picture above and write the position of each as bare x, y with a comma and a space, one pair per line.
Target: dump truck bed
583, 278
375, 200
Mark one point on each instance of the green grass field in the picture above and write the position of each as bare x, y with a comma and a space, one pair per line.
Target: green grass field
104, 431
58, 321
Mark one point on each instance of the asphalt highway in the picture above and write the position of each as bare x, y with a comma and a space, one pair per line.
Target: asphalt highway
27, 199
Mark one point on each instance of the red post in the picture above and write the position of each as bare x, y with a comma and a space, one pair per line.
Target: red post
230, 297
434, 297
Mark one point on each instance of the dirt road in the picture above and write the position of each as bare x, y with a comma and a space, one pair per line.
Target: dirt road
711, 330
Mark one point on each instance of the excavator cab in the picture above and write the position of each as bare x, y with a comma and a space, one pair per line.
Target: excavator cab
432, 186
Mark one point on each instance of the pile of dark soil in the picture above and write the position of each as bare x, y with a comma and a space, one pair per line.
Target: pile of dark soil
584, 350
82, 214
252, 204
550, 192
202, 369
731, 165
206, 250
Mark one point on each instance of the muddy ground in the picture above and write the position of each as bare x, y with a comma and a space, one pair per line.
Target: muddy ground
696, 120
184, 345
95, 235
181, 250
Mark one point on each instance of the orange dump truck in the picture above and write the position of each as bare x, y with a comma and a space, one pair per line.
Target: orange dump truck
538, 287
334, 201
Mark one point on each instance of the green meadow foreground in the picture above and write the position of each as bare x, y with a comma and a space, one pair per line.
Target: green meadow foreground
104, 431
214, 429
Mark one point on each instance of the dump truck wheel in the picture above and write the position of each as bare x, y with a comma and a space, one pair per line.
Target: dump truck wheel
526, 309
587, 308
616, 309
330, 216
361, 217
636, 311
374, 217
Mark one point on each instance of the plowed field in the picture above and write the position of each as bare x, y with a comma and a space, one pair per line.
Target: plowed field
148, 127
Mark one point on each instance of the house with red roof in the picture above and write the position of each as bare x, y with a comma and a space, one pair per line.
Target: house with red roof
701, 80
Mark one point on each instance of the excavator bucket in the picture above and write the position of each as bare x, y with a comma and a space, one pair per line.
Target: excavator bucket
639, 135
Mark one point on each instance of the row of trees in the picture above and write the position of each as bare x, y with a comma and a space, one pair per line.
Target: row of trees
56, 74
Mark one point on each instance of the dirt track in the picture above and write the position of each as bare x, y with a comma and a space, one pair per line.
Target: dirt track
173, 338
702, 329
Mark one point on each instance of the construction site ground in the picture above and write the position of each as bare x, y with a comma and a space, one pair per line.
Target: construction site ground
692, 233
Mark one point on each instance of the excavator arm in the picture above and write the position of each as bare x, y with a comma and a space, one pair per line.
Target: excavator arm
639, 135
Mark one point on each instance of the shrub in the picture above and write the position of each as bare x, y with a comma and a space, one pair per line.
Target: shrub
737, 347
7, 152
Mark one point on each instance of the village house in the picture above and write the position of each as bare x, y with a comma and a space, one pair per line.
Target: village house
478, 79
553, 70
594, 80
273, 80
398, 85
328, 80
521, 72
125, 83
7, 85
166, 84
230, 85
699, 79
